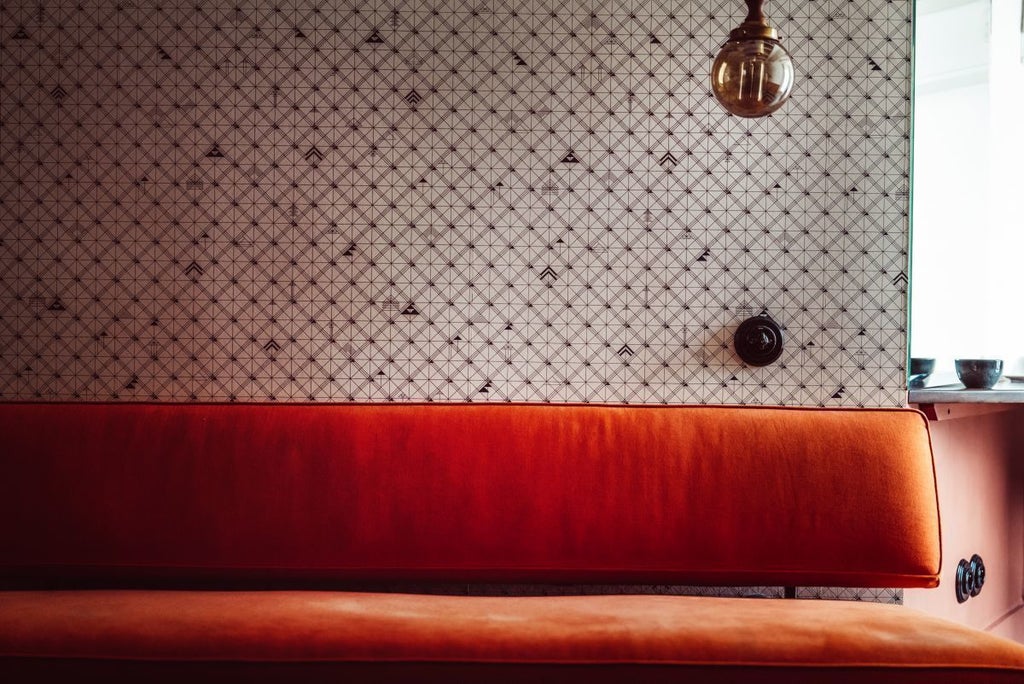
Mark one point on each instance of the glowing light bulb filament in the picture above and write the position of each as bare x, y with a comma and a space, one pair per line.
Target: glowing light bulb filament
752, 80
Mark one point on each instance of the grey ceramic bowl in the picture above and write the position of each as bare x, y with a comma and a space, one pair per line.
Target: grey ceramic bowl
920, 369
920, 366
979, 373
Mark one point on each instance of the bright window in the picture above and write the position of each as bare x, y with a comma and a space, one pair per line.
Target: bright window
967, 292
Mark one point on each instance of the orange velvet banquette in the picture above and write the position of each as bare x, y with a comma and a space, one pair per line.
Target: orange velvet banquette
308, 543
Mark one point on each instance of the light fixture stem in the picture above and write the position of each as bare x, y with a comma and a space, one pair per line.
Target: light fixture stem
755, 26
755, 13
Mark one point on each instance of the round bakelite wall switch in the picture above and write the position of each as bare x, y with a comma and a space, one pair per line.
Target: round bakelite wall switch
758, 341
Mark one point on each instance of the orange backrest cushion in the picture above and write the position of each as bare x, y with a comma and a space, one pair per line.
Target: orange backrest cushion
538, 493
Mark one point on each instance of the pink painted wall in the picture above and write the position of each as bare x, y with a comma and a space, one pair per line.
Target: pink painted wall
979, 460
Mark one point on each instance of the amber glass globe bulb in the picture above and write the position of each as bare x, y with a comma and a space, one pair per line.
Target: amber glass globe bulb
753, 74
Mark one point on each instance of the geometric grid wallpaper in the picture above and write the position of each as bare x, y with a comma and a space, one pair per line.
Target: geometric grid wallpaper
451, 200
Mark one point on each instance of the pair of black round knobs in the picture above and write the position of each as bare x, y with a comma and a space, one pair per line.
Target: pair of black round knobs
758, 341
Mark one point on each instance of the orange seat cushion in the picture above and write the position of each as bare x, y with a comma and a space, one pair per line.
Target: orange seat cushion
499, 493
323, 635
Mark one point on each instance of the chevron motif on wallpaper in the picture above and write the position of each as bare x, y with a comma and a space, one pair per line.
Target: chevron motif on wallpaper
446, 201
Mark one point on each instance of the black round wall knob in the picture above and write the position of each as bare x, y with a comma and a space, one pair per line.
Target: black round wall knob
977, 567
970, 578
964, 581
758, 341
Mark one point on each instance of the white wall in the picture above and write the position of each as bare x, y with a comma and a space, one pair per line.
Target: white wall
376, 202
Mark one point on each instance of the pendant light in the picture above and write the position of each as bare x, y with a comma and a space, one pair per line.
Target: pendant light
753, 74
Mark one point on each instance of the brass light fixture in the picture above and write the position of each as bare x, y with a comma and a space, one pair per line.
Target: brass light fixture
753, 74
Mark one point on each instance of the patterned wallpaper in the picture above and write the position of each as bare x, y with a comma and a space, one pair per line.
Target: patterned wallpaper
481, 200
